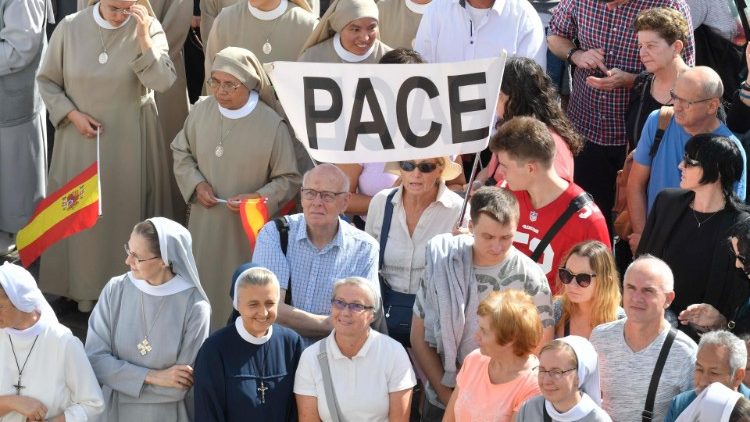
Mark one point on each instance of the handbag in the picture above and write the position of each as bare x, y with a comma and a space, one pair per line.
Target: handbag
397, 306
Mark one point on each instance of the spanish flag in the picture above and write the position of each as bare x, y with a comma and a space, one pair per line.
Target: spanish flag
73, 208
254, 215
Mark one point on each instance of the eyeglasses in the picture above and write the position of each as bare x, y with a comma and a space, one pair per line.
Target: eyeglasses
422, 167
326, 196
555, 374
689, 162
567, 277
354, 308
226, 86
134, 256
676, 99
119, 10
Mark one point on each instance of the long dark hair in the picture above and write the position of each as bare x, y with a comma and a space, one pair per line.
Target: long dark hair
531, 93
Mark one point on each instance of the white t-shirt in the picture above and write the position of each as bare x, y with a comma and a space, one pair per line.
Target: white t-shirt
361, 384
625, 375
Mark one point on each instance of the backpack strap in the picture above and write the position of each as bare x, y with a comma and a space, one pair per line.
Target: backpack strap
282, 225
665, 115
648, 411
574, 206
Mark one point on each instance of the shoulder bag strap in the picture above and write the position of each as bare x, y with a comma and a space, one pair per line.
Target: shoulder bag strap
636, 134
282, 225
325, 369
665, 115
648, 412
545, 414
566, 328
386, 227
575, 205
741, 5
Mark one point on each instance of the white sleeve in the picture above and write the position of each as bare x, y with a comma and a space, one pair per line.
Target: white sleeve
304, 378
21, 35
85, 393
401, 375
426, 35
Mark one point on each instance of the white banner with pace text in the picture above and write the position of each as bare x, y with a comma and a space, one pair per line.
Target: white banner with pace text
361, 113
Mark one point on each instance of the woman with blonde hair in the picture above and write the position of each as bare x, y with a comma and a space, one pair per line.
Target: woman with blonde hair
589, 287
496, 379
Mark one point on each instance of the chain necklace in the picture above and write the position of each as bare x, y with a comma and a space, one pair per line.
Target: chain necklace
144, 347
267, 47
103, 56
700, 223
262, 388
219, 151
18, 386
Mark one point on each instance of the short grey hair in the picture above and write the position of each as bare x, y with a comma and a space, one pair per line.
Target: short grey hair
363, 284
655, 265
332, 170
257, 276
734, 345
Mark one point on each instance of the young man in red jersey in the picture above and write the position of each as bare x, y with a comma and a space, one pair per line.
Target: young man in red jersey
525, 151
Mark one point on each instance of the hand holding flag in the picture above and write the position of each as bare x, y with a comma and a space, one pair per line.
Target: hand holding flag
254, 216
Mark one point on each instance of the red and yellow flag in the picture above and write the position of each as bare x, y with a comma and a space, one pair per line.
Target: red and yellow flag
254, 216
73, 208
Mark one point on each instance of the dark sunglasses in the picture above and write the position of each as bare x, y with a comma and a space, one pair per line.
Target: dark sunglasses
567, 277
690, 162
422, 167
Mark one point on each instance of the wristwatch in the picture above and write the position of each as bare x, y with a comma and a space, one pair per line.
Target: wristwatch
570, 54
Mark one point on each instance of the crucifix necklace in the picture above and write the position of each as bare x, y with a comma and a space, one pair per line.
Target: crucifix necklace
262, 388
18, 386
144, 347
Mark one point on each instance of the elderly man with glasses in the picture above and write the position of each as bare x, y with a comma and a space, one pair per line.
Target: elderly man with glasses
314, 249
696, 98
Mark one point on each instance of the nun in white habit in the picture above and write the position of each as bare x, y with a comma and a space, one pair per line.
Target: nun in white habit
715, 403
44, 372
569, 382
147, 327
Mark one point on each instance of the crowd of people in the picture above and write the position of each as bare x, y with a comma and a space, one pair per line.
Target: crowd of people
407, 290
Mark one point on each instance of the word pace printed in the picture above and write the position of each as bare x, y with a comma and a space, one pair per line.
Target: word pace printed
358, 113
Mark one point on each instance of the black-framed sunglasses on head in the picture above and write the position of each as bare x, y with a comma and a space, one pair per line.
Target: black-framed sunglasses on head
567, 277
409, 166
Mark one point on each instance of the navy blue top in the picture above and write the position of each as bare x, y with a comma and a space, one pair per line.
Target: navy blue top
229, 370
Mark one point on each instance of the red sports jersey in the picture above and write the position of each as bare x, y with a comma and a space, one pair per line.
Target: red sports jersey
587, 224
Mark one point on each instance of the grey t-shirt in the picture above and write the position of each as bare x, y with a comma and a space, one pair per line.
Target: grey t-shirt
625, 375
532, 411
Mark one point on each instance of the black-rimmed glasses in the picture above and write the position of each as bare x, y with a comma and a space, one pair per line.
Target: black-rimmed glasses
690, 162
409, 166
567, 277
326, 196
676, 99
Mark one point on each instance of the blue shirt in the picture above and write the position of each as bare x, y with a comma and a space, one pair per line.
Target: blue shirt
352, 252
681, 401
664, 171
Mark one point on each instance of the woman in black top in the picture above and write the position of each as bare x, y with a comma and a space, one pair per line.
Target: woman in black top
662, 36
688, 228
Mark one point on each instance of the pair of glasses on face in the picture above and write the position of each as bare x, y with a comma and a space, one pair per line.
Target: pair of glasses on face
119, 10
409, 166
676, 99
225, 86
567, 277
354, 308
555, 374
134, 256
689, 162
326, 196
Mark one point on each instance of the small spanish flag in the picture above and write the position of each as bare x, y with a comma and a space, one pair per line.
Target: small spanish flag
254, 216
73, 208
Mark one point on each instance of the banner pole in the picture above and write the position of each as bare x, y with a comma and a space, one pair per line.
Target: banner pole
467, 194
98, 171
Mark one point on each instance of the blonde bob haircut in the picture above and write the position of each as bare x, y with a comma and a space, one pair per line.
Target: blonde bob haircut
607, 296
514, 318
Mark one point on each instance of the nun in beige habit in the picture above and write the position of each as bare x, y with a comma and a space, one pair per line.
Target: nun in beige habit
100, 70
399, 21
235, 145
274, 30
347, 33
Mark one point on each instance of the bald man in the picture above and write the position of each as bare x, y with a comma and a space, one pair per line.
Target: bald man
629, 348
696, 97
321, 249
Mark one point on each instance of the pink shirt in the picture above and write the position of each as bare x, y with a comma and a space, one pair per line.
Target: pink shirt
481, 400
563, 160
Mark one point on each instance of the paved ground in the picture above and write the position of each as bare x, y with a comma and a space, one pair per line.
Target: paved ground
65, 309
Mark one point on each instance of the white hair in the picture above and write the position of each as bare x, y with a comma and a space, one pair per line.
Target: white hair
363, 284
734, 345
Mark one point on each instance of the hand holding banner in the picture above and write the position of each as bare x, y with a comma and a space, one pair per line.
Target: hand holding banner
360, 113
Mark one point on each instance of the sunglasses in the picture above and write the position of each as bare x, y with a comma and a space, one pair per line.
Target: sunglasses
690, 162
422, 167
567, 277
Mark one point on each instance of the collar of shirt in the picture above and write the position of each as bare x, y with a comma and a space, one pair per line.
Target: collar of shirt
338, 240
271, 14
497, 6
416, 7
444, 196
102, 22
175, 285
243, 111
348, 56
336, 352
242, 331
